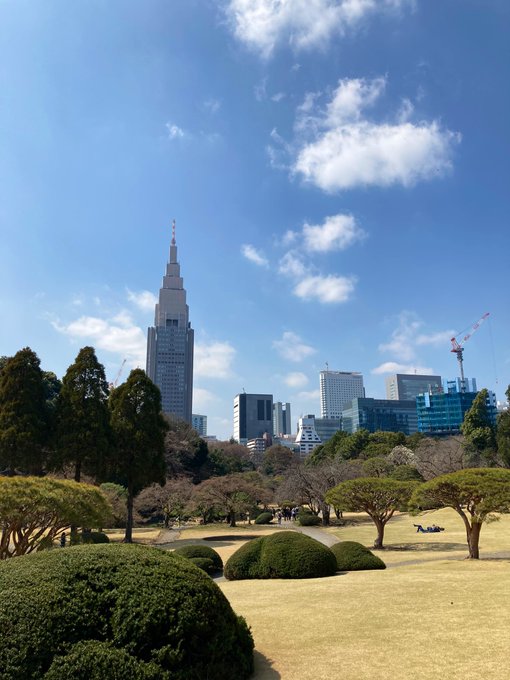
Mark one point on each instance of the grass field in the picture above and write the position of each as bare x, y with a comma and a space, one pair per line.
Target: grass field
431, 615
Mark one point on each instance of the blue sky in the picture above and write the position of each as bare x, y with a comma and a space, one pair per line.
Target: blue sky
338, 170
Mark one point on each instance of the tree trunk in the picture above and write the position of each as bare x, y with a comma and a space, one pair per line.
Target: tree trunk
77, 471
473, 541
378, 543
325, 515
128, 536
232, 519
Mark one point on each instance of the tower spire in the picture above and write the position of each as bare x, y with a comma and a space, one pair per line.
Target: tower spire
173, 232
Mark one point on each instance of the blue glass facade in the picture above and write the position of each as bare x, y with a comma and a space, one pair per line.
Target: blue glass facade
443, 414
390, 415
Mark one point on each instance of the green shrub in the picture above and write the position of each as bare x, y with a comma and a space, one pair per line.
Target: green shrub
94, 537
264, 518
204, 563
286, 554
352, 556
153, 605
193, 551
94, 660
308, 519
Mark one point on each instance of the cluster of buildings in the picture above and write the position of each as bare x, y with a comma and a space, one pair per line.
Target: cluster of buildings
414, 403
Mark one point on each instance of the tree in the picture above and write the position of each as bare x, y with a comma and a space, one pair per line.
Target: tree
503, 433
378, 497
185, 452
170, 500
23, 414
475, 494
478, 428
434, 457
34, 511
277, 459
232, 494
139, 429
228, 457
378, 466
83, 434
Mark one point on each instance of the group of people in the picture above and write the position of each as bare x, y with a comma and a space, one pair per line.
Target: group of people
287, 514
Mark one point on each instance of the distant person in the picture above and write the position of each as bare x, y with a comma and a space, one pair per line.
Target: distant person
63, 539
279, 516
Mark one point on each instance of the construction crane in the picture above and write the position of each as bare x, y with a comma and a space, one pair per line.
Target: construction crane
458, 347
113, 384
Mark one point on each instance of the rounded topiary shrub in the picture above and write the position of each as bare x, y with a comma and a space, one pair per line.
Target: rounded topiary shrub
94, 537
94, 660
203, 563
264, 518
194, 551
352, 556
152, 605
308, 519
286, 554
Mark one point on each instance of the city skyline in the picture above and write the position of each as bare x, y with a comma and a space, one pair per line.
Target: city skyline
340, 188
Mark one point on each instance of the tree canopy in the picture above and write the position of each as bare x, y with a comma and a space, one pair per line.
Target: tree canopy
476, 494
379, 497
138, 428
35, 510
83, 435
478, 428
24, 420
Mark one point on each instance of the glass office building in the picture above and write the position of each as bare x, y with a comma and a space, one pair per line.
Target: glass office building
389, 415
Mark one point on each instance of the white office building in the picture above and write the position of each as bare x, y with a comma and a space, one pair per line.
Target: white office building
337, 389
307, 438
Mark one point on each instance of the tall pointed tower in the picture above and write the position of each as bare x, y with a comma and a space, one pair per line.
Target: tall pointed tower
170, 343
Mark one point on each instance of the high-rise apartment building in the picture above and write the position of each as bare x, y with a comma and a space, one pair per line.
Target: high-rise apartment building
337, 388
253, 416
170, 343
282, 423
199, 424
409, 386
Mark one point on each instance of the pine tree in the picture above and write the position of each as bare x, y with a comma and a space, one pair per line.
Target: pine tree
139, 437
478, 427
83, 419
23, 414
503, 433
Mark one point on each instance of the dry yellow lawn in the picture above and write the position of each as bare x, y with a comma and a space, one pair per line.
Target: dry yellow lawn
431, 616
139, 535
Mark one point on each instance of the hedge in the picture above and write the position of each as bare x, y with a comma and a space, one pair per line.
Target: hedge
352, 556
204, 563
93, 537
152, 605
264, 518
286, 554
204, 551
308, 519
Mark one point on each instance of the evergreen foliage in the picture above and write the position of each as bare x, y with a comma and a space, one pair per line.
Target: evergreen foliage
34, 511
286, 554
204, 563
24, 417
83, 435
308, 519
154, 606
476, 494
264, 518
478, 428
191, 551
138, 428
352, 556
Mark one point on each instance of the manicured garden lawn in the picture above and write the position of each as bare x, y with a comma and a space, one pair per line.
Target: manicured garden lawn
431, 616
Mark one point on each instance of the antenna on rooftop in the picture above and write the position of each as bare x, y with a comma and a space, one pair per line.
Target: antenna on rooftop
173, 232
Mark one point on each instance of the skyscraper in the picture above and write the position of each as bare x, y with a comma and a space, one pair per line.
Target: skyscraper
409, 386
253, 416
282, 423
170, 343
337, 388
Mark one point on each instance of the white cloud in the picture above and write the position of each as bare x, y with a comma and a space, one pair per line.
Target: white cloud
303, 24
174, 131
144, 300
278, 97
394, 367
212, 105
260, 90
337, 233
292, 264
255, 256
337, 148
213, 360
292, 348
202, 399
325, 289
403, 337
312, 394
118, 335
296, 379
441, 338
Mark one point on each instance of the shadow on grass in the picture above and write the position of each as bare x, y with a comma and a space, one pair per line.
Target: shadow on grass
426, 547
264, 668
228, 538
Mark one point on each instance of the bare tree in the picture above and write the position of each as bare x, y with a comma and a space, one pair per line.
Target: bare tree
436, 457
169, 500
